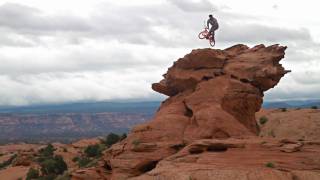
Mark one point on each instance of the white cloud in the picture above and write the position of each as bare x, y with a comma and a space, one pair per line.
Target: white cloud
54, 52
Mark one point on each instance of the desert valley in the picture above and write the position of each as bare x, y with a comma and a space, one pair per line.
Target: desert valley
211, 126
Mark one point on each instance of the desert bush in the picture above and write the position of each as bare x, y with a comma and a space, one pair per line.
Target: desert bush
93, 150
271, 133
283, 109
75, 159
64, 176
123, 136
263, 120
47, 151
65, 150
111, 139
32, 174
55, 165
8, 162
136, 142
270, 165
84, 161
314, 107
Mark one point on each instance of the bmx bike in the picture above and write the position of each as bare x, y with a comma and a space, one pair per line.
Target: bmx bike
204, 35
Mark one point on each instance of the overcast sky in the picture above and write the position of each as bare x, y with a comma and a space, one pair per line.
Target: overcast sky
54, 51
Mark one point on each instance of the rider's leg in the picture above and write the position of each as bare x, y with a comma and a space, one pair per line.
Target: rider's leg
213, 39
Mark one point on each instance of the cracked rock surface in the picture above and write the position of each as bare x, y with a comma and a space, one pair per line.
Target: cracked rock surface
206, 128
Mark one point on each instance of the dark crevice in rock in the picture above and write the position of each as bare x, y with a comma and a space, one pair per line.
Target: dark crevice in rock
107, 166
206, 78
217, 148
178, 147
147, 166
189, 112
196, 150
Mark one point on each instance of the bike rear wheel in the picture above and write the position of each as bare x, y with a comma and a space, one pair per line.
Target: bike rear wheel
212, 43
202, 35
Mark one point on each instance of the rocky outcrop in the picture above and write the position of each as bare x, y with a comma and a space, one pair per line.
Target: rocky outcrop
213, 97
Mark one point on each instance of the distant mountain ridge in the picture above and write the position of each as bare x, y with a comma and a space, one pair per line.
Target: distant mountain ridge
85, 107
128, 107
291, 104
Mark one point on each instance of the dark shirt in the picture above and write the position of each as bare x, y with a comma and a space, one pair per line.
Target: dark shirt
213, 22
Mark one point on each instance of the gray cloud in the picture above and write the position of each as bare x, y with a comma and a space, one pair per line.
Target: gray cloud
118, 51
30, 20
190, 6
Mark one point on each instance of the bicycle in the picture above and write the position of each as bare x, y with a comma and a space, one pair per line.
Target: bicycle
204, 35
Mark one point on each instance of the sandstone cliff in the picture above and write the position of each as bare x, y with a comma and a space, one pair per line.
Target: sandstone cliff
206, 129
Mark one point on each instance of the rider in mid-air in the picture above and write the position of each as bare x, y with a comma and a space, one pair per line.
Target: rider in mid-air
214, 26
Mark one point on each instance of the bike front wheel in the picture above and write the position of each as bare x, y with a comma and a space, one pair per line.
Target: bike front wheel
202, 35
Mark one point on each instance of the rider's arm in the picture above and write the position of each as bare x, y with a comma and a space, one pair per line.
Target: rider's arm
208, 24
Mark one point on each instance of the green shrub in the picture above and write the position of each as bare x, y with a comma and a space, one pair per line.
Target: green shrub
48, 177
75, 159
64, 176
55, 165
271, 133
283, 109
136, 142
123, 136
8, 162
270, 165
32, 174
314, 107
84, 161
263, 120
47, 151
93, 150
111, 139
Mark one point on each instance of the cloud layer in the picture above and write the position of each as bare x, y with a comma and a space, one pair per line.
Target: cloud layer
117, 50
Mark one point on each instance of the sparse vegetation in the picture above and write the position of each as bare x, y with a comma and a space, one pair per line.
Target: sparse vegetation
123, 136
283, 109
64, 176
53, 166
314, 107
32, 174
93, 150
270, 165
136, 142
111, 139
65, 149
84, 161
75, 159
47, 151
8, 162
271, 133
263, 142
263, 120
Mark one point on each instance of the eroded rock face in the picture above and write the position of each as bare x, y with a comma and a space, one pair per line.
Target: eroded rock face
213, 94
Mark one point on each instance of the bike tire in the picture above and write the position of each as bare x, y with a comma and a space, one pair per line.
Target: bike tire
212, 43
202, 35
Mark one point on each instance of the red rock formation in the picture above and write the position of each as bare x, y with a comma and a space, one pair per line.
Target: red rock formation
206, 129
214, 94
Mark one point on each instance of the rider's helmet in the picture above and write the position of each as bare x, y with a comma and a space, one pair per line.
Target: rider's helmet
210, 16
